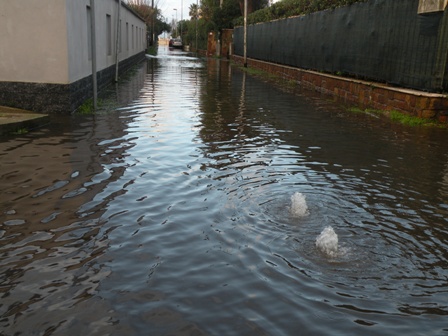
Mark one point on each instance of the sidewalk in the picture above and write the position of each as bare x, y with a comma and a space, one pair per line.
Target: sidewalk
16, 120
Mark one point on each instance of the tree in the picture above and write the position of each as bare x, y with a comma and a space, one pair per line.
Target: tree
215, 15
252, 5
144, 9
207, 8
224, 15
152, 16
194, 12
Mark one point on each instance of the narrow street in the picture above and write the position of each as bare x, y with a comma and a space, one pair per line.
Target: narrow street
193, 207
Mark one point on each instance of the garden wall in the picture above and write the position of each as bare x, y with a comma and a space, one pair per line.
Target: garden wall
362, 93
385, 41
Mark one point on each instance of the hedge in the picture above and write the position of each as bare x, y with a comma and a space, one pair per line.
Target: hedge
288, 8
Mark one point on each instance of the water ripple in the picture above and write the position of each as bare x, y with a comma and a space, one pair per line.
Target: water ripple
172, 213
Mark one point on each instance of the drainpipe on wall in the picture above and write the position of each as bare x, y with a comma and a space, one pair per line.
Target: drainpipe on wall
117, 41
93, 25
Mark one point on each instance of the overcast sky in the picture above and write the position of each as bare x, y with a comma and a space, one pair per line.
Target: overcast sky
167, 7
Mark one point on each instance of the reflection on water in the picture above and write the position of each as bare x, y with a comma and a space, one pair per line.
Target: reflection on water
178, 213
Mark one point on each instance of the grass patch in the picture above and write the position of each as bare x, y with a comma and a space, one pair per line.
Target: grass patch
86, 107
399, 117
152, 50
411, 120
292, 83
257, 72
254, 72
102, 105
20, 131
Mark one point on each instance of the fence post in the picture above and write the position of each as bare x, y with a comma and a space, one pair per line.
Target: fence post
440, 79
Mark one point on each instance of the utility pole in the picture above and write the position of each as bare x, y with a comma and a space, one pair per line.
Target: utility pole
245, 33
181, 16
93, 29
177, 32
154, 16
197, 18
117, 41
218, 47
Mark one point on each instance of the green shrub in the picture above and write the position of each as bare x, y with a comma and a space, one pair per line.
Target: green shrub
287, 8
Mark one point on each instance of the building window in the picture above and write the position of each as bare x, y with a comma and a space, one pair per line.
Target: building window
109, 34
132, 37
89, 33
127, 36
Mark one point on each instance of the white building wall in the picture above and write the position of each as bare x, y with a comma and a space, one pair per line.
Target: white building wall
33, 43
46, 41
80, 64
77, 39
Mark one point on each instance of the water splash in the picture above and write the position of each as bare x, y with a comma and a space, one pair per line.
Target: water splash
298, 207
327, 242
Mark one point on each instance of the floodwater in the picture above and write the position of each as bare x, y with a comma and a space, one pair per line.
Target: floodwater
209, 202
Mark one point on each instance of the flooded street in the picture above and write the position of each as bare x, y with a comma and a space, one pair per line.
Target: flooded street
210, 202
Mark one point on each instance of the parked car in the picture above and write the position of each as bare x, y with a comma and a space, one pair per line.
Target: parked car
175, 43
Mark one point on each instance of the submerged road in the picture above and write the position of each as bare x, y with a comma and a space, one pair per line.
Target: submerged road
203, 201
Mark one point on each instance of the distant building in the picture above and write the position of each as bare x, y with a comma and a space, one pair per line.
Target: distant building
46, 50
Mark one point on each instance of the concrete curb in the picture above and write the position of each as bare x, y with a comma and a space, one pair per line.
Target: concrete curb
14, 120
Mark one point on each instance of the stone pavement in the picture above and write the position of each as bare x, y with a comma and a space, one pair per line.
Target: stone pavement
14, 120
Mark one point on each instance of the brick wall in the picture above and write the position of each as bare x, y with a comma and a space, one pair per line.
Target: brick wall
364, 93
385, 41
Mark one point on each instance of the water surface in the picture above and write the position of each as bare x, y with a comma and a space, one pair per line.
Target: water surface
172, 214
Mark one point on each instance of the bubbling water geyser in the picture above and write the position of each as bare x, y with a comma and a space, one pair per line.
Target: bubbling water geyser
327, 242
298, 207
